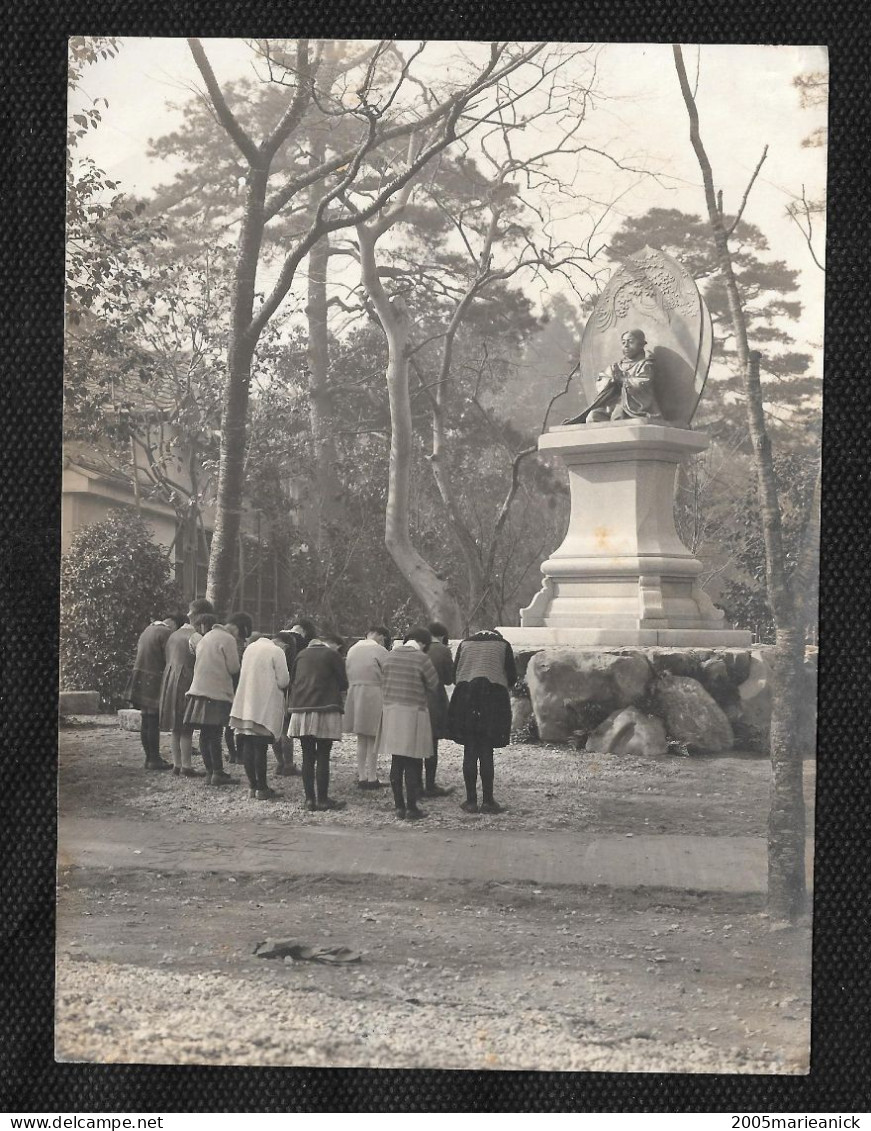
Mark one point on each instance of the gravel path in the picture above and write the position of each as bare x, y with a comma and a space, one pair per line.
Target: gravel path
119, 1014
543, 788
156, 966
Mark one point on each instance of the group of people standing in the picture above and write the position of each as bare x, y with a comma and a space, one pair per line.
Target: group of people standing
254, 691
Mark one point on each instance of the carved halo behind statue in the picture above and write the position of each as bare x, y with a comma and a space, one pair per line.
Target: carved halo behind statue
655, 295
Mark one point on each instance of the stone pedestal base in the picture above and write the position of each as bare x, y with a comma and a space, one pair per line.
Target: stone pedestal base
622, 576
532, 639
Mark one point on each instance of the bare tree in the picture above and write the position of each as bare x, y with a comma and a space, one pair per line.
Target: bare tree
375, 111
786, 823
494, 245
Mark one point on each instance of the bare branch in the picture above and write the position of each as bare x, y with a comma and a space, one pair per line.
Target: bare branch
226, 117
750, 183
807, 231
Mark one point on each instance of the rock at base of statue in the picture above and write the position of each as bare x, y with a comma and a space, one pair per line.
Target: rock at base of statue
572, 691
521, 714
714, 677
691, 715
629, 731
754, 699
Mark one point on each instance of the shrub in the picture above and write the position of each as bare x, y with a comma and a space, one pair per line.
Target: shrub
114, 581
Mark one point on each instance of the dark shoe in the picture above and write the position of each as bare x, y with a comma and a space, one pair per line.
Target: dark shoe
311, 806
288, 771
329, 805
220, 778
438, 791
252, 794
469, 806
399, 813
158, 764
491, 807
415, 814
176, 770
362, 785
375, 784
190, 772
267, 794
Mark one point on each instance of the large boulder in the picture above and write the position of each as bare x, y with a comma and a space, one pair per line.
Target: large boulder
754, 699
629, 731
573, 690
714, 677
691, 715
737, 660
677, 661
521, 660
521, 713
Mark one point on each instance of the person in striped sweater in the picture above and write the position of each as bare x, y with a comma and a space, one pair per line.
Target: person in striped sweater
405, 731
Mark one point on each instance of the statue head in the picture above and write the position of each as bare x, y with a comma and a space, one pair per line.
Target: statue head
634, 342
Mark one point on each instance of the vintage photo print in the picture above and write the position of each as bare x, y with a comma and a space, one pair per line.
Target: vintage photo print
440, 550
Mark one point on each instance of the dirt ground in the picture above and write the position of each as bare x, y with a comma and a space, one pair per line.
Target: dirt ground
158, 967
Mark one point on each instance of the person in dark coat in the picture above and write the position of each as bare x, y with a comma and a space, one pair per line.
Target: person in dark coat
143, 687
318, 684
173, 690
292, 639
443, 662
479, 717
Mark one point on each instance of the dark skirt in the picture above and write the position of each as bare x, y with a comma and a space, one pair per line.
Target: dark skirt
437, 701
174, 697
143, 690
203, 712
480, 711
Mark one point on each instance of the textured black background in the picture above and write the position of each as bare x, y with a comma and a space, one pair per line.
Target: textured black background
34, 78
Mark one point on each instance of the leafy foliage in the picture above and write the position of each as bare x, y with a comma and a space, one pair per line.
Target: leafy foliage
114, 581
745, 597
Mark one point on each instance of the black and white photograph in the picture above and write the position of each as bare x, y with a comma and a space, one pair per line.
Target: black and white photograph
440, 554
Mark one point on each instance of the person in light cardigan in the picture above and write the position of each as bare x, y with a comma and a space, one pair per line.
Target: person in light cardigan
257, 713
211, 693
363, 703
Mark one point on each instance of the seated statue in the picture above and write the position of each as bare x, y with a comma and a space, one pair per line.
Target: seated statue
625, 389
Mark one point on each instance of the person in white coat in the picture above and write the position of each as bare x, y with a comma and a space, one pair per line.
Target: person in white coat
364, 662
257, 713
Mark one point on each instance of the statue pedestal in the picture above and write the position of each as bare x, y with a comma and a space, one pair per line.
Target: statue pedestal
622, 576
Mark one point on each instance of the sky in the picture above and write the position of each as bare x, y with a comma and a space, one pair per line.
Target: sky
746, 99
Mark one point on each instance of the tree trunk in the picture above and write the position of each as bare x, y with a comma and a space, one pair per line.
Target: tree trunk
328, 489
786, 826
471, 551
432, 590
786, 817
327, 508
234, 407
